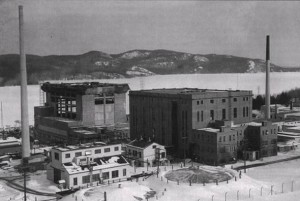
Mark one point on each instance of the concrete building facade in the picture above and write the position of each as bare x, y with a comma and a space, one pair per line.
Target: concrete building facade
170, 115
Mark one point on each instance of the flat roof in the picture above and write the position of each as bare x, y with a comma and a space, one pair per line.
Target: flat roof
81, 87
83, 146
97, 164
189, 91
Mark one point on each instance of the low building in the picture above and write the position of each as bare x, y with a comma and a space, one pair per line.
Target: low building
143, 153
10, 146
87, 164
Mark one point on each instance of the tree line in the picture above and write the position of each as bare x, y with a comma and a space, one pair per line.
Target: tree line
283, 98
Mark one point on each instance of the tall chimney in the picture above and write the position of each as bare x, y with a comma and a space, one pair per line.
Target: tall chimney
24, 99
267, 98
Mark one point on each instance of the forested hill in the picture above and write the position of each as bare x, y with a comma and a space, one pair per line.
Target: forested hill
98, 65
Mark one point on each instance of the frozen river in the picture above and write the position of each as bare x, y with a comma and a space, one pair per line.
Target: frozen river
10, 96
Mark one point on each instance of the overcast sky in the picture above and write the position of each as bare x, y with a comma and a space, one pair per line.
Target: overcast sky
76, 27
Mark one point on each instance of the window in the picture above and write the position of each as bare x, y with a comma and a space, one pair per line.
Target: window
201, 102
86, 179
197, 102
67, 155
234, 99
229, 137
211, 101
105, 175
223, 113
202, 116
95, 177
244, 111
56, 156
75, 181
97, 151
247, 111
106, 150
212, 115
154, 146
234, 112
116, 148
233, 137
220, 139
140, 154
198, 116
223, 100
115, 173
124, 172
224, 138
78, 154
163, 154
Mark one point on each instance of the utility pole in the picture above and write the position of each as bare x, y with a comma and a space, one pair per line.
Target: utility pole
158, 156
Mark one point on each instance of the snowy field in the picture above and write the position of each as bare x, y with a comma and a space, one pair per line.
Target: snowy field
10, 96
261, 183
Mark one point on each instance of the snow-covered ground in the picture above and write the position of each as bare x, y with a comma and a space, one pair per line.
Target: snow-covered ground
256, 181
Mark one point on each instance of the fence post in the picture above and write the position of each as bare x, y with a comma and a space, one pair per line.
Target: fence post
105, 196
261, 191
272, 190
282, 187
177, 182
225, 196
212, 197
237, 195
216, 182
249, 192
292, 186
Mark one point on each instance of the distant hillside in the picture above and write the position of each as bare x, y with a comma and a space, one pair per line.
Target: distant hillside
99, 65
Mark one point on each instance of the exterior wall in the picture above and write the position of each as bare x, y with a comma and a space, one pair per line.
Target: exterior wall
167, 119
14, 149
70, 178
92, 150
216, 146
120, 108
88, 109
263, 139
216, 102
204, 148
147, 154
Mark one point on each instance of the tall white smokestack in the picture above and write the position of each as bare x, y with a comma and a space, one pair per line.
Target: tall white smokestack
24, 99
267, 99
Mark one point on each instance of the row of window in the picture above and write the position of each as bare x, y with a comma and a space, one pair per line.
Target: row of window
230, 138
200, 116
212, 101
77, 154
266, 132
96, 177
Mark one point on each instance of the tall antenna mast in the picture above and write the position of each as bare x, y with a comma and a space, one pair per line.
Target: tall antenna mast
267, 100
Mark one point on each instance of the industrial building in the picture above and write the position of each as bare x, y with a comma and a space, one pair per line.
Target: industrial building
81, 112
218, 145
169, 116
87, 164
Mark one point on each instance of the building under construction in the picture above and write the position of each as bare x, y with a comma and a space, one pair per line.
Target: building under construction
81, 112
